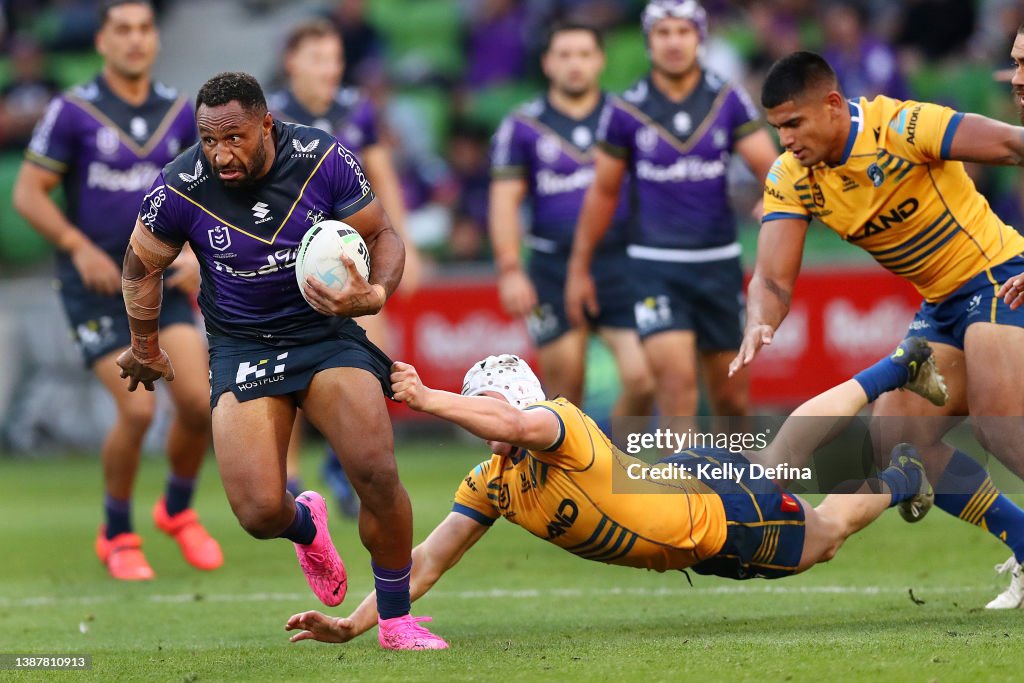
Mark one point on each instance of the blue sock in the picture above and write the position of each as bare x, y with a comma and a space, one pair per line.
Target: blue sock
301, 530
178, 496
903, 483
966, 491
119, 515
883, 376
392, 587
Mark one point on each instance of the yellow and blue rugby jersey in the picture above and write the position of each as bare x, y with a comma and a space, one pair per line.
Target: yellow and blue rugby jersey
897, 195
564, 496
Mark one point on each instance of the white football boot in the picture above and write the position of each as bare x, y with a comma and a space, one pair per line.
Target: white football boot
1012, 597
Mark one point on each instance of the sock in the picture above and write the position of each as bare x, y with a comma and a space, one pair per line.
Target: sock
178, 496
966, 491
883, 376
301, 530
903, 483
392, 590
119, 515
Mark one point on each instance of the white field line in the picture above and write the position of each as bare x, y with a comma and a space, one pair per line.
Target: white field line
498, 593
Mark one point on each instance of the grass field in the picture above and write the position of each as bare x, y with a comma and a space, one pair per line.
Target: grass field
514, 609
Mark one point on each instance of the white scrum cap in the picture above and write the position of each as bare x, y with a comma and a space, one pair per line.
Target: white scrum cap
507, 375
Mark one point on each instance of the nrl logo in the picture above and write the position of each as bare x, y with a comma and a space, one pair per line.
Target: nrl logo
220, 237
299, 147
189, 178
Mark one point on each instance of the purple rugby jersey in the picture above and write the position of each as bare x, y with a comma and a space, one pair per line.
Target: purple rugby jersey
108, 153
246, 239
555, 155
351, 118
678, 155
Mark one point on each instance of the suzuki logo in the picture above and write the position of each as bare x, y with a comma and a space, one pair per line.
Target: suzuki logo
260, 210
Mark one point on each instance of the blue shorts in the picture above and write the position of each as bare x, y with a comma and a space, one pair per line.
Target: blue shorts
99, 323
251, 369
765, 536
706, 298
613, 278
975, 301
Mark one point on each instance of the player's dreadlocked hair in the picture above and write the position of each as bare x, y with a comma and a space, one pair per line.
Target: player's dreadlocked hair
233, 86
793, 75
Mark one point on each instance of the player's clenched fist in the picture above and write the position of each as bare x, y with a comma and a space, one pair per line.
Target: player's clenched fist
407, 385
136, 372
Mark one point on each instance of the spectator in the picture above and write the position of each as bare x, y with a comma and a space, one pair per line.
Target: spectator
23, 100
864, 64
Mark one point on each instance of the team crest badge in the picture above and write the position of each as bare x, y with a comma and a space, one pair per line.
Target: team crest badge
876, 175
647, 138
548, 149
220, 237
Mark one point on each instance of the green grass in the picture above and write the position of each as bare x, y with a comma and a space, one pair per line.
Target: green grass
514, 609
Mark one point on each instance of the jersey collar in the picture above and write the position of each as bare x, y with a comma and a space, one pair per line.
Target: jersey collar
856, 125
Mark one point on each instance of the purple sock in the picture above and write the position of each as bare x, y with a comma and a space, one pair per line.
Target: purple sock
178, 496
119, 515
392, 587
301, 530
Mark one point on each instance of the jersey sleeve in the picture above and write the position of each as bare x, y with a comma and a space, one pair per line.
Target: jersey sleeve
53, 144
615, 130
165, 213
782, 191
922, 132
744, 117
578, 436
474, 500
351, 189
508, 153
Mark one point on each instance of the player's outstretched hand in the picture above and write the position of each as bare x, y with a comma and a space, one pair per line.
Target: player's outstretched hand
407, 386
754, 338
137, 372
517, 293
580, 298
315, 625
1012, 292
358, 297
98, 271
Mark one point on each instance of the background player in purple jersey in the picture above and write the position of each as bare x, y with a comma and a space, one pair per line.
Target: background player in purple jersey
243, 198
675, 132
314, 62
104, 142
544, 152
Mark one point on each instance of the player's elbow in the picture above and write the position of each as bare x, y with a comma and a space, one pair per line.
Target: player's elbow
23, 198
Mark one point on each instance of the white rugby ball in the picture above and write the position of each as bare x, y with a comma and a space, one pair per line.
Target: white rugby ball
320, 255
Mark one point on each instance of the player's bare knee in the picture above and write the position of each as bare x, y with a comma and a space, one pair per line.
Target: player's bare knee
136, 415
637, 383
261, 518
193, 415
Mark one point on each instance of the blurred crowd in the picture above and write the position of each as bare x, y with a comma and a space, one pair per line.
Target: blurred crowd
442, 73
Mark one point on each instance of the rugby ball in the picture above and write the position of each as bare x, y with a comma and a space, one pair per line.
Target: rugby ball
320, 252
